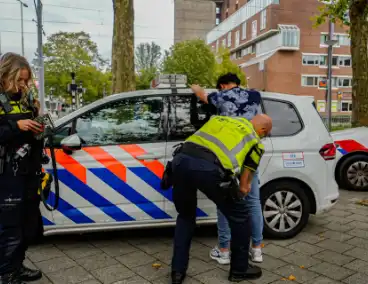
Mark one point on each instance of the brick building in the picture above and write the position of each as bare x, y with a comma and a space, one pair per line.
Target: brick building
275, 43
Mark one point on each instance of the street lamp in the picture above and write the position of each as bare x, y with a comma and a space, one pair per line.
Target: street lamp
22, 4
331, 42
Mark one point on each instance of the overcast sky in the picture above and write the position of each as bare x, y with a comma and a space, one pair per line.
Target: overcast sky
154, 21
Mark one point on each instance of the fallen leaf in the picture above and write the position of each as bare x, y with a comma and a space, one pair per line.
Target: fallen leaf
156, 265
302, 267
363, 202
262, 245
292, 277
283, 279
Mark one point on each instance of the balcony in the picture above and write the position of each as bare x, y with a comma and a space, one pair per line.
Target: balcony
288, 38
244, 13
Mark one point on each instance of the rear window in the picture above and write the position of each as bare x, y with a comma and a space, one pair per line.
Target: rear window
285, 118
322, 119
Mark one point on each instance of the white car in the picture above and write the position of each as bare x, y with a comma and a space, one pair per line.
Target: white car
111, 156
352, 165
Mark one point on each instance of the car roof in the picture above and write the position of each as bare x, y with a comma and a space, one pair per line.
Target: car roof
165, 92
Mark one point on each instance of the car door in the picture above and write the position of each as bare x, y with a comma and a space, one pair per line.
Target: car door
115, 176
187, 115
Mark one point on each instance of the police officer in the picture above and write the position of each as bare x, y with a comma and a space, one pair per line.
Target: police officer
213, 159
19, 163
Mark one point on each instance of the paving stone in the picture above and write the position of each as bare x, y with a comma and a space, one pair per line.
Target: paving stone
271, 263
155, 247
300, 259
91, 282
83, 250
55, 264
215, 276
118, 248
358, 278
333, 257
334, 246
359, 225
339, 213
113, 274
339, 220
164, 256
197, 266
358, 217
322, 280
29, 264
284, 243
359, 233
317, 220
358, 253
45, 253
336, 236
71, 275
200, 251
332, 271
150, 273
43, 280
339, 227
305, 248
135, 259
358, 265
314, 229
358, 242
133, 280
276, 251
301, 275
283, 281
208, 242
267, 277
360, 210
309, 238
96, 261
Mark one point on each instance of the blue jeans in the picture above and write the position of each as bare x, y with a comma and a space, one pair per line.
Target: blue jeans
253, 203
189, 175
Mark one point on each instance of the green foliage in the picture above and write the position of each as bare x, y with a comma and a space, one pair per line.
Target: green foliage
337, 11
145, 77
147, 56
75, 52
193, 58
226, 66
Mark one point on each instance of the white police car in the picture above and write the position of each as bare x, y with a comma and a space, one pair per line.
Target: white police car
111, 155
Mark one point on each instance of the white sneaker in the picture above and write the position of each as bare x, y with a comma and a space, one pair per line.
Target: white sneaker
256, 255
219, 256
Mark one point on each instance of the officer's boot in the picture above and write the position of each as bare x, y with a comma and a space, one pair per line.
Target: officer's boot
11, 278
28, 275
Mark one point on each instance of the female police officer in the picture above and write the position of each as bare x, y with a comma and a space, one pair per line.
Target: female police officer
19, 159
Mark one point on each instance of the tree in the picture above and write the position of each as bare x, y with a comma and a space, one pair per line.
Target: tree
225, 65
147, 56
65, 52
358, 23
123, 76
193, 58
145, 77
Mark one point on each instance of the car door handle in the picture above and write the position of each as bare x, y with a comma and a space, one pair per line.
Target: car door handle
150, 156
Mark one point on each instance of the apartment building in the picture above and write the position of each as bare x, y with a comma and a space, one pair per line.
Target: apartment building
275, 43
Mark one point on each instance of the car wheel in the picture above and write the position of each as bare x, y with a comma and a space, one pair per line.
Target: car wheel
285, 208
354, 172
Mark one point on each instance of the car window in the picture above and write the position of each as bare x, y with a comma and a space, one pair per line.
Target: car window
285, 119
187, 115
133, 120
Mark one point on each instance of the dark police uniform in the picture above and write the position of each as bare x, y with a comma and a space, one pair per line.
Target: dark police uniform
19, 200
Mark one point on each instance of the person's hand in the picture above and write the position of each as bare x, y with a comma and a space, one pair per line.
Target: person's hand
30, 125
245, 189
196, 88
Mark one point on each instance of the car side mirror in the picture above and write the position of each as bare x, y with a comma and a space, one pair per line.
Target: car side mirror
71, 143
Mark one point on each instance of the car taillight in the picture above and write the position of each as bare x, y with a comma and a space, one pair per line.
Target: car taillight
328, 151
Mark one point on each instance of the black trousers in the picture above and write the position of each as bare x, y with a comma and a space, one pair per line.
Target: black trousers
19, 217
190, 174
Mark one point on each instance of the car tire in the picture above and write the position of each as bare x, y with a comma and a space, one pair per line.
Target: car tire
295, 193
353, 166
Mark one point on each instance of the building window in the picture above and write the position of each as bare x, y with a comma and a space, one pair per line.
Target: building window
263, 19
253, 48
244, 30
342, 40
227, 3
345, 61
236, 5
309, 81
261, 65
237, 38
254, 29
224, 42
238, 54
344, 82
227, 14
311, 60
217, 21
346, 106
218, 10
229, 43
322, 60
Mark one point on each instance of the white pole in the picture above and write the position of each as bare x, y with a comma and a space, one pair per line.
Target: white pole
41, 74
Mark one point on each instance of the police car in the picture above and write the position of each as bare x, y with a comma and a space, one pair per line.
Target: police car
111, 154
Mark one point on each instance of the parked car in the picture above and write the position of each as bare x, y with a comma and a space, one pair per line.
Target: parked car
111, 156
352, 166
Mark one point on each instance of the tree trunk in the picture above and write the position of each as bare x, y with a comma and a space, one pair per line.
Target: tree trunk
123, 75
359, 53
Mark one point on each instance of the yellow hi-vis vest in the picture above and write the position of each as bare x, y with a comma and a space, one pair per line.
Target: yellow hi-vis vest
230, 139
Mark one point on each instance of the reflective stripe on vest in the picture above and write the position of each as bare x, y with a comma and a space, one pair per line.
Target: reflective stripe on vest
229, 138
17, 108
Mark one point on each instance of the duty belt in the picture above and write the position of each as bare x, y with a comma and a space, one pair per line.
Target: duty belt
200, 152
